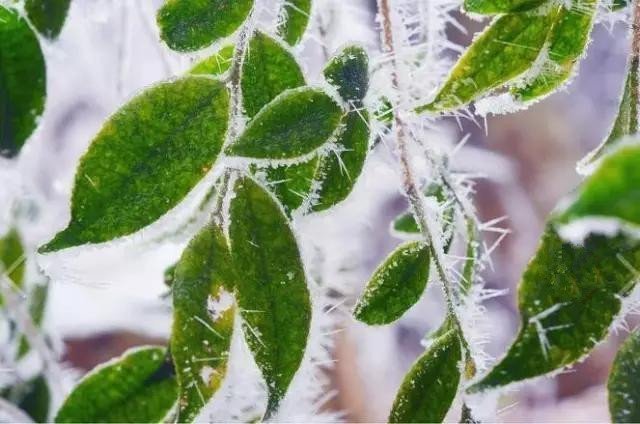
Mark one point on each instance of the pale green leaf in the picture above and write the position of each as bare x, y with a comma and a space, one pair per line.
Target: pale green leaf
428, 390
12, 257
338, 172
145, 160
349, 73
217, 64
494, 7
22, 82
272, 292
188, 25
47, 16
504, 51
138, 387
624, 382
396, 285
571, 30
295, 20
297, 122
203, 316
267, 71
552, 77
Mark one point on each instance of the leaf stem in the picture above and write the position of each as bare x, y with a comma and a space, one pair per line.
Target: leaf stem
409, 183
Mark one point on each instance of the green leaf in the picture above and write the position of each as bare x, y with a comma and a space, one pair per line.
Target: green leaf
292, 184
546, 82
296, 123
33, 397
138, 387
22, 82
428, 390
145, 160
215, 65
189, 25
626, 122
204, 312
295, 20
619, 5
611, 191
12, 257
406, 224
395, 286
268, 70
349, 73
571, 30
47, 16
623, 386
568, 297
272, 294
494, 7
338, 172
500, 54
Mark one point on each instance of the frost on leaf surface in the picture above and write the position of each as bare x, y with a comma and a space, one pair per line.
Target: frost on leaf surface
217, 64
507, 49
145, 160
494, 7
349, 73
295, 123
201, 338
138, 387
396, 285
624, 382
47, 16
189, 25
268, 70
272, 292
12, 258
22, 81
428, 390
295, 19
292, 184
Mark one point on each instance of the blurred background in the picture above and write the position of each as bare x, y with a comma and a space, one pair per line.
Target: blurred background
107, 299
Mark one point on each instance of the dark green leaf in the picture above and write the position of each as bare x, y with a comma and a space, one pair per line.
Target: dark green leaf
338, 172
47, 16
296, 123
503, 52
349, 73
429, 388
292, 184
494, 7
138, 387
626, 122
395, 286
33, 397
619, 5
295, 20
22, 82
268, 70
12, 257
188, 25
568, 297
624, 382
272, 293
215, 65
145, 160
203, 315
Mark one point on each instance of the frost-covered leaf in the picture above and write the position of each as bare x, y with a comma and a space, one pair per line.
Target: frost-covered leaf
626, 122
272, 292
338, 172
429, 388
494, 7
349, 73
571, 30
624, 382
32, 397
547, 81
568, 298
145, 160
22, 81
47, 16
295, 123
295, 20
138, 387
396, 285
619, 5
267, 71
292, 184
507, 49
12, 257
188, 25
204, 311
217, 64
